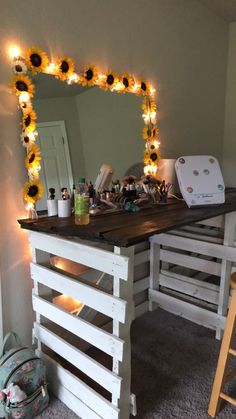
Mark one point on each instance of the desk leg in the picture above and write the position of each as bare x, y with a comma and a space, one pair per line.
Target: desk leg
226, 266
154, 271
42, 258
124, 290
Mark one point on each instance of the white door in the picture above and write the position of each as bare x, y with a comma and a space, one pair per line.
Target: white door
56, 171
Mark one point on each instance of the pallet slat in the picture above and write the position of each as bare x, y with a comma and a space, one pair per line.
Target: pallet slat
98, 300
92, 334
142, 257
141, 285
195, 263
106, 378
87, 255
190, 286
57, 375
190, 245
187, 310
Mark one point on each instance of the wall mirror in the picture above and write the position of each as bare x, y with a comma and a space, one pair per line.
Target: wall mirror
80, 128
73, 123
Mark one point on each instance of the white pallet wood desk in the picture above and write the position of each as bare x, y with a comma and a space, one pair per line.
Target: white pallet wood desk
118, 245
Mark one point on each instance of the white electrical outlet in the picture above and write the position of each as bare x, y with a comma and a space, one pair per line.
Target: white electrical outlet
200, 180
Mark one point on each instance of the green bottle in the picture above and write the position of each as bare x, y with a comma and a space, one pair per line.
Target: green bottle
81, 202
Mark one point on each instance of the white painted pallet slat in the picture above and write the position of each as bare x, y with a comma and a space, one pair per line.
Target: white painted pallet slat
192, 280
190, 235
106, 378
212, 268
87, 255
98, 300
139, 247
141, 285
217, 221
74, 404
204, 231
142, 257
125, 290
154, 282
92, 334
208, 249
189, 286
187, 310
141, 309
97, 403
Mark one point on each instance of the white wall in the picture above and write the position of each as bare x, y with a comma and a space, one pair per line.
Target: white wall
178, 45
111, 131
229, 149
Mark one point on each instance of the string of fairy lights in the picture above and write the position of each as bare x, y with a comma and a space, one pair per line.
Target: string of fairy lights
34, 61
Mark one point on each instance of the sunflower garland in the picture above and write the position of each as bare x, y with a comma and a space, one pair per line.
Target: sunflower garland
22, 83
150, 132
29, 120
19, 66
127, 82
65, 68
151, 156
32, 191
33, 158
110, 81
28, 139
36, 61
144, 88
90, 76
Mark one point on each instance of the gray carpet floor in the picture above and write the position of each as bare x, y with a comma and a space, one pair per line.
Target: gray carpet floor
173, 366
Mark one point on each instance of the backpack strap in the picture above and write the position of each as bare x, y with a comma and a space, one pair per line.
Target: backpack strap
7, 336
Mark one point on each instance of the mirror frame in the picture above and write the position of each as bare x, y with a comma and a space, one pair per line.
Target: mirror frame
36, 61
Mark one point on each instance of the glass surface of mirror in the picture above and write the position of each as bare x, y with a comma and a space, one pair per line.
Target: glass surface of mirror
82, 128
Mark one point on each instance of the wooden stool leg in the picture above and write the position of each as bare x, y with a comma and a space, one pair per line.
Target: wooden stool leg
215, 400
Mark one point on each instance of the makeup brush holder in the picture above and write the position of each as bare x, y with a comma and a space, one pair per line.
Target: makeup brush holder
64, 208
52, 207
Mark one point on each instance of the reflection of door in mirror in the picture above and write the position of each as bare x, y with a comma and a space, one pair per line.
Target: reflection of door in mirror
56, 171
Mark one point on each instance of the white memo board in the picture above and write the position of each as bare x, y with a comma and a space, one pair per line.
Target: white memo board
200, 180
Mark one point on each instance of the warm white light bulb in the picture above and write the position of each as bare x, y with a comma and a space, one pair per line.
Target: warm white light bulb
14, 51
51, 68
152, 91
150, 170
29, 206
73, 78
24, 97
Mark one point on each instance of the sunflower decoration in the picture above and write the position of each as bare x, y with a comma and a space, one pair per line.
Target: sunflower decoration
19, 66
65, 68
29, 120
36, 60
33, 157
32, 191
149, 105
143, 88
127, 82
90, 76
28, 138
150, 132
22, 83
110, 81
151, 156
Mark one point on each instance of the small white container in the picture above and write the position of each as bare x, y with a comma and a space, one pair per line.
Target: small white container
64, 208
52, 207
